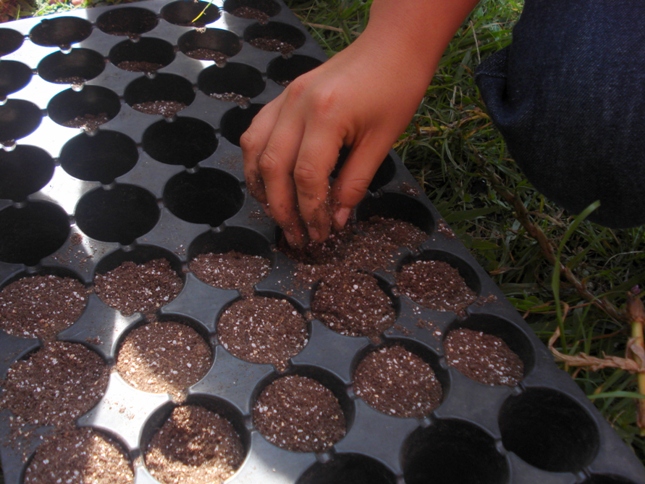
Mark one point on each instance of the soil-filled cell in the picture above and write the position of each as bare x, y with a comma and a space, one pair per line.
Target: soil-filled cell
130, 21
165, 94
231, 270
88, 108
190, 14
75, 67
31, 232
233, 82
18, 118
237, 120
275, 37
10, 41
184, 141
348, 469
210, 44
61, 32
283, 71
13, 77
23, 171
260, 10
148, 54
450, 451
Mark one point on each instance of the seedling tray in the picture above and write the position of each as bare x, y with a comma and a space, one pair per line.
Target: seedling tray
127, 185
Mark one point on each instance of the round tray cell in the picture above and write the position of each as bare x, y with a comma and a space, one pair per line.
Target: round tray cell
118, 214
232, 238
146, 55
348, 469
31, 232
382, 177
207, 196
18, 118
210, 44
88, 108
397, 206
504, 369
439, 281
452, 451
130, 21
260, 10
307, 410
10, 41
75, 67
275, 37
61, 31
201, 441
165, 94
237, 120
23, 171
184, 141
283, 71
233, 82
190, 14
603, 479
101, 157
13, 77
549, 430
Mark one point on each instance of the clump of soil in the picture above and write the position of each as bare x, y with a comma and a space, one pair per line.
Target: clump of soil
353, 304
435, 285
76, 80
238, 99
87, 122
143, 288
251, 13
299, 414
41, 306
163, 357
208, 54
139, 66
483, 357
194, 445
56, 384
167, 109
231, 270
397, 382
263, 330
273, 45
79, 455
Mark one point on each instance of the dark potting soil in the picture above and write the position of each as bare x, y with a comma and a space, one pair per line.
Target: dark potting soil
41, 306
167, 109
263, 330
76, 80
143, 288
231, 97
231, 270
139, 66
163, 357
352, 303
435, 285
208, 54
272, 45
299, 414
87, 122
194, 445
483, 357
80, 455
251, 13
56, 384
397, 382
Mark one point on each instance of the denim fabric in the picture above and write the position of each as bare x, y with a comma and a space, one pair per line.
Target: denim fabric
568, 95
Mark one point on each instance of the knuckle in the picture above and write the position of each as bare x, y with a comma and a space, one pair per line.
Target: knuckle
306, 174
247, 141
269, 162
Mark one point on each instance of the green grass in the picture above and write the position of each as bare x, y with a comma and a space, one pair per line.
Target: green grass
516, 234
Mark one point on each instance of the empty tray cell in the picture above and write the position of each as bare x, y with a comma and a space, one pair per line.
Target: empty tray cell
88, 108
383, 176
210, 44
348, 469
183, 141
18, 118
130, 21
233, 82
399, 207
23, 171
260, 10
450, 451
31, 231
101, 157
284, 70
13, 77
190, 14
148, 54
74, 67
10, 41
118, 214
61, 32
548, 430
237, 120
207, 196
165, 94
275, 37
606, 479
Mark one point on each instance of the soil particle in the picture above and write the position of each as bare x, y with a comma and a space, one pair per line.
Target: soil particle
194, 445
299, 414
167, 109
79, 456
251, 13
208, 54
397, 382
87, 122
231, 270
435, 285
139, 66
483, 357
272, 45
353, 304
263, 330
143, 288
55, 385
163, 357
41, 306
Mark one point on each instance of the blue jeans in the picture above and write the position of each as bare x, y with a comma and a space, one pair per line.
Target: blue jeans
568, 95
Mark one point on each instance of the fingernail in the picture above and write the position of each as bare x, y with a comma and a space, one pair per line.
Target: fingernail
293, 240
314, 234
341, 216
